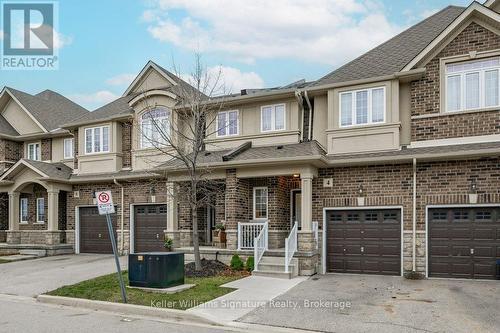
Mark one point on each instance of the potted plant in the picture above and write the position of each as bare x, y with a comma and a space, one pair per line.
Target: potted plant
168, 244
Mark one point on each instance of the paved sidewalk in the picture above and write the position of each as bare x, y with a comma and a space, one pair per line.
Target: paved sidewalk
35, 277
252, 292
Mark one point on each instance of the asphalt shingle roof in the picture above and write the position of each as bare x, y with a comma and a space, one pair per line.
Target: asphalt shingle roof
115, 108
49, 108
393, 55
295, 150
53, 170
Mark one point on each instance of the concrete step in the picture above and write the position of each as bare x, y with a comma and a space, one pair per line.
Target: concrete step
273, 274
266, 259
278, 268
33, 252
19, 257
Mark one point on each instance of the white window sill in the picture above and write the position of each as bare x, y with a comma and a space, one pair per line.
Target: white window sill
454, 113
24, 222
38, 222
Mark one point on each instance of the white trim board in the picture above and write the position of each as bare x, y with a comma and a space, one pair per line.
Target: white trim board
325, 209
456, 141
427, 225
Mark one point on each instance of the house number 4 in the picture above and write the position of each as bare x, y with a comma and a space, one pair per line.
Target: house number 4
328, 182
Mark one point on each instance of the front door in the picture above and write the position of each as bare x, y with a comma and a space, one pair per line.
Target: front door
296, 209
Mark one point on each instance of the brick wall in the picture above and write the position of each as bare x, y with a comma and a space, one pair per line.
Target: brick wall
425, 93
4, 211
134, 192
10, 151
46, 149
127, 144
38, 192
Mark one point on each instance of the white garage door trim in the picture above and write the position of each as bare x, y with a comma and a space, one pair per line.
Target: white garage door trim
325, 209
132, 221
427, 228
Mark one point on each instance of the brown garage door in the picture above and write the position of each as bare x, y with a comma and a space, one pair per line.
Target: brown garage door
364, 241
149, 224
464, 242
94, 235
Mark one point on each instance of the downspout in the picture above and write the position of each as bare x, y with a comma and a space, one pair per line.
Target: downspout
122, 217
298, 97
414, 231
309, 132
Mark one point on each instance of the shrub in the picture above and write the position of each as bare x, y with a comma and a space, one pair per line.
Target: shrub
250, 264
236, 263
168, 243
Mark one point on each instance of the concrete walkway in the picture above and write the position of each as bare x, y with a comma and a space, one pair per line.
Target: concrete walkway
38, 276
252, 292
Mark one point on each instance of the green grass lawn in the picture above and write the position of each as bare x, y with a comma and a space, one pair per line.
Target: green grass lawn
106, 288
3, 261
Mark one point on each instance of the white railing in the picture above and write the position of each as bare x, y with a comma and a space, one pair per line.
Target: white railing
290, 246
260, 247
316, 233
247, 232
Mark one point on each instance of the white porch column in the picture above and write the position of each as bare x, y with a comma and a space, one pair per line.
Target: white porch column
53, 210
14, 211
172, 221
306, 205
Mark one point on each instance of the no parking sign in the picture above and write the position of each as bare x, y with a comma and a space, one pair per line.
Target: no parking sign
105, 203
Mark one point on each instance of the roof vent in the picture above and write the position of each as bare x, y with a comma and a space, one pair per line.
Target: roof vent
243, 92
279, 147
59, 168
208, 153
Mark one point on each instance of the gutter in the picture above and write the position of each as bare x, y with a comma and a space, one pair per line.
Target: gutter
122, 220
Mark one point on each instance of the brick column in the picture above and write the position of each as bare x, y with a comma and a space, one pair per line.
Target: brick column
236, 206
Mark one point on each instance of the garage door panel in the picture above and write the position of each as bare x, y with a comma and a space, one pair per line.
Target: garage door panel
94, 235
470, 228
377, 232
150, 221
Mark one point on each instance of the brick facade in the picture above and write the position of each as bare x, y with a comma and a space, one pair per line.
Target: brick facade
127, 144
425, 93
10, 151
46, 149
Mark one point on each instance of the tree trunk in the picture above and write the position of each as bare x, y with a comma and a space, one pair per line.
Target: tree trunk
196, 239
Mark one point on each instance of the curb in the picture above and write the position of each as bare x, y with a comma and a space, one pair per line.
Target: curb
128, 309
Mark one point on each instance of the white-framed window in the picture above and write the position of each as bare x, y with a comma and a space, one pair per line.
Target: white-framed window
227, 123
68, 148
40, 210
472, 85
23, 210
362, 107
272, 118
155, 127
97, 140
260, 202
33, 151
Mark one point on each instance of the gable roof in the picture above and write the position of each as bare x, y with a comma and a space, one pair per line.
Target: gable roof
46, 170
48, 109
393, 55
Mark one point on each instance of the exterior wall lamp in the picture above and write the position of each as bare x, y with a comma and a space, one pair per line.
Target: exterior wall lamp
361, 197
473, 192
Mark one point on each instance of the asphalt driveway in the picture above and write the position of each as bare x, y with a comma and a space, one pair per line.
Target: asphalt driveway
35, 277
355, 303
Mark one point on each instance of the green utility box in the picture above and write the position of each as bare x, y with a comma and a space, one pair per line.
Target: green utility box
156, 269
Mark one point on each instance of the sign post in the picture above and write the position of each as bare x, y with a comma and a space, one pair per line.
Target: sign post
106, 207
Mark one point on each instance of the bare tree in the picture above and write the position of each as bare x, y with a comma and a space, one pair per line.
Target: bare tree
181, 133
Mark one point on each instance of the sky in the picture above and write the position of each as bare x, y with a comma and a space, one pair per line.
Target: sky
103, 44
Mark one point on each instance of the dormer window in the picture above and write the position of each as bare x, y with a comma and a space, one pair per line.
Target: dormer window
472, 85
155, 128
33, 151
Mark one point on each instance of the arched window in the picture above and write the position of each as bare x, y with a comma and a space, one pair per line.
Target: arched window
155, 127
